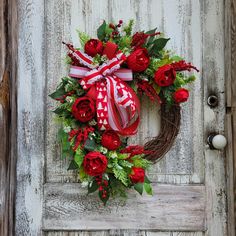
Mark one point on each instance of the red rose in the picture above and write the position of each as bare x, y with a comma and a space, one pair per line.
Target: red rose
181, 95
83, 109
137, 175
110, 140
93, 47
138, 60
165, 75
95, 163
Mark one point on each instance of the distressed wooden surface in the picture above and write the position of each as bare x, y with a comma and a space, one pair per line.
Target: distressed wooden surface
214, 83
8, 50
230, 122
196, 30
67, 207
185, 162
122, 233
31, 95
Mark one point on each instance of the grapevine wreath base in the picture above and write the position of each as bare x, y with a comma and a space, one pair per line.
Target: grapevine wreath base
99, 106
170, 123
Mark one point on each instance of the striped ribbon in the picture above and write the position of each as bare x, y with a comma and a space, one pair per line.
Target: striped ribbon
118, 107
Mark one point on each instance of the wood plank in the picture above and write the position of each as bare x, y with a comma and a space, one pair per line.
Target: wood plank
31, 88
121, 233
8, 64
67, 207
213, 79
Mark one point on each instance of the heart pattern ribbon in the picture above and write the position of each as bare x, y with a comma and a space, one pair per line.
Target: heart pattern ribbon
118, 107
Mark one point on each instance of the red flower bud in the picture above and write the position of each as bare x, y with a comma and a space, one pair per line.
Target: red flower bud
138, 60
181, 95
137, 175
93, 47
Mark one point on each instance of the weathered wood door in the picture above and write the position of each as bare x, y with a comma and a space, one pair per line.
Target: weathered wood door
189, 183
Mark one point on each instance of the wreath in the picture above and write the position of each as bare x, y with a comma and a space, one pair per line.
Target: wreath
99, 106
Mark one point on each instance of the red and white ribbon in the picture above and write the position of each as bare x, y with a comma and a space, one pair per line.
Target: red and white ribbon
117, 105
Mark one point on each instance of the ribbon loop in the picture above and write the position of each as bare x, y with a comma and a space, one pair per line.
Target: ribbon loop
117, 105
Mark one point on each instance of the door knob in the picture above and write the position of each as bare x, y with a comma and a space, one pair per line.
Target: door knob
216, 141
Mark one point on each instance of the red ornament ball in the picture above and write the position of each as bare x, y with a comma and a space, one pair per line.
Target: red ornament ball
110, 140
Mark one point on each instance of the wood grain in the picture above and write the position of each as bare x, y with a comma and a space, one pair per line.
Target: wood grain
122, 233
67, 207
214, 83
30, 109
8, 49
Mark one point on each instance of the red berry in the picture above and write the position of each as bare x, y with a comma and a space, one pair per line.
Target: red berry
111, 26
100, 188
120, 21
119, 25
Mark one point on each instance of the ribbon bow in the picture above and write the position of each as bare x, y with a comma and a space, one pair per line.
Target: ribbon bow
117, 105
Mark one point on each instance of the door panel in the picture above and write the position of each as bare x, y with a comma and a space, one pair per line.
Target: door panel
189, 182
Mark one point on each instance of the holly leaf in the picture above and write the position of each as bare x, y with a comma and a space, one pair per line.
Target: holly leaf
92, 187
79, 157
158, 45
73, 166
60, 91
139, 188
151, 38
148, 188
101, 31
90, 145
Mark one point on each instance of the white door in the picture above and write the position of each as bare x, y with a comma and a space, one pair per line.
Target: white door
189, 182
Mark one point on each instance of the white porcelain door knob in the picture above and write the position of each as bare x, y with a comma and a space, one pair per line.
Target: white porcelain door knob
217, 141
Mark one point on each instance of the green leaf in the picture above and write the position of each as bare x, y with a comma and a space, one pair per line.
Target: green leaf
79, 157
83, 37
121, 174
125, 163
151, 31
92, 187
90, 145
158, 45
139, 188
146, 180
73, 165
148, 188
60, 91
101, 31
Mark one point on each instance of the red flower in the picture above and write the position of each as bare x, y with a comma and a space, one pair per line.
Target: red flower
165, 75
139, 39
93, 47
137, 175
95, 163
83, 109
110, 140
134, 150
138, 60
181, 95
